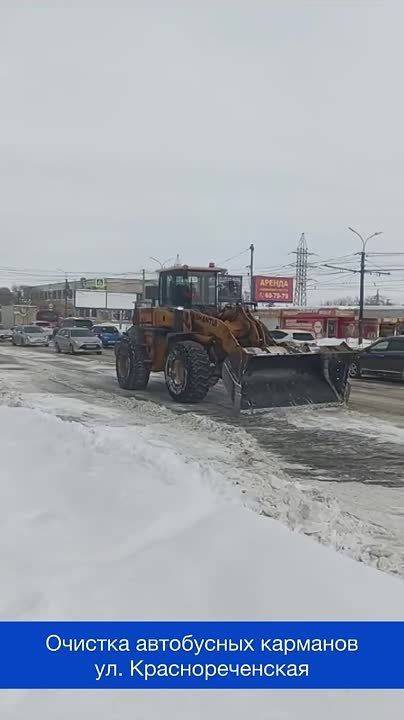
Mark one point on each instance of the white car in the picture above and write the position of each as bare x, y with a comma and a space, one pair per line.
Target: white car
5, 333
29, 335
77, 340
299, 337
46, 327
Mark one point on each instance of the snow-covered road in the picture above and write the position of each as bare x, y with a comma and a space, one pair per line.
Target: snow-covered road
333, 474
114, 507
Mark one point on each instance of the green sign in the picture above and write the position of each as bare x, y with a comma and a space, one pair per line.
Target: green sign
95, 284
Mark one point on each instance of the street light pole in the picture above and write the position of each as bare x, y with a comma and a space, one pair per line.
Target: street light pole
252, 273
361, 296
364, 242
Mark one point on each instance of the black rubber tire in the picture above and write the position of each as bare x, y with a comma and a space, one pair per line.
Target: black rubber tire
132, 370
197, 372
355, 370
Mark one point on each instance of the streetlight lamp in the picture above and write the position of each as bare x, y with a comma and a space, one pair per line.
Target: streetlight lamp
162, 264
364, 242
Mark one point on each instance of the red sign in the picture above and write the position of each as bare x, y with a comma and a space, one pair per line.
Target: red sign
273, 289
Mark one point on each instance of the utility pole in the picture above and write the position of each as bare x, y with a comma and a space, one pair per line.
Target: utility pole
252, 272
362, 279
66, 293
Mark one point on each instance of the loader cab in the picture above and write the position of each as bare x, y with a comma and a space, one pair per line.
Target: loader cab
189, 287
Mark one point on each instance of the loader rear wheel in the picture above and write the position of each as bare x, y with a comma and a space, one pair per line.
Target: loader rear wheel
187, 372
132, 370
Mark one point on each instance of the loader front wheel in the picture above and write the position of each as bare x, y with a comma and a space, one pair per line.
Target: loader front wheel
132, 369
187, 372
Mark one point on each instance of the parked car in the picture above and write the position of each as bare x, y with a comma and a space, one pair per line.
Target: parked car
29, 335
384, 358
12, 330
5, 333
108, 334
76, 340
77, 322
279, 335
299, 337
46, 327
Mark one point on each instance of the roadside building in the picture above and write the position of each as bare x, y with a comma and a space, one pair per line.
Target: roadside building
12, 315
101, 299
338, 322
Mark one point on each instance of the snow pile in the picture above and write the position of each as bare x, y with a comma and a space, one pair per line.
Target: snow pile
250, 472
352, 342
113, 523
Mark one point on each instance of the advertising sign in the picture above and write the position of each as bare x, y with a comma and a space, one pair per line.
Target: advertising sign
100, 300
273, 289
121, 301
93, 299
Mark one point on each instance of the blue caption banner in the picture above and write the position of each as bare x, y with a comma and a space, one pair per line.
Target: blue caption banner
202, 655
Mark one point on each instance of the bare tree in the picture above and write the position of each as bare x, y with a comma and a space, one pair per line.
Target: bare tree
7, 297
373, 300
344, 301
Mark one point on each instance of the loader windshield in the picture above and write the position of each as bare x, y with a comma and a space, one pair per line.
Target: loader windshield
188, 289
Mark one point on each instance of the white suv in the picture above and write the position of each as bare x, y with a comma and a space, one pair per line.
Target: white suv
299, 337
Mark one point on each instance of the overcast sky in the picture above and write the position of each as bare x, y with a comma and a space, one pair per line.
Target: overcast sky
198, 127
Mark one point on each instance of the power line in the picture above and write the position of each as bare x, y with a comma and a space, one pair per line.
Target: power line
234, 256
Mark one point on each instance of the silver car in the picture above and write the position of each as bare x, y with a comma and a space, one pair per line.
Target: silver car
76, 340
5, 333
29, 335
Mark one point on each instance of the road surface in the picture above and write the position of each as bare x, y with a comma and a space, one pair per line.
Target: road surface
333, 473
381, 398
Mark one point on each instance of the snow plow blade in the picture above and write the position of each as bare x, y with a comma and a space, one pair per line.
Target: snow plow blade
268, 380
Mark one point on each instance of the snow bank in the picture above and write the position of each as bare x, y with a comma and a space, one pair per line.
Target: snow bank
352, 342
112, 523
251, 470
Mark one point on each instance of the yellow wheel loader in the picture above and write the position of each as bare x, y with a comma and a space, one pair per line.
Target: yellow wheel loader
196, 341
